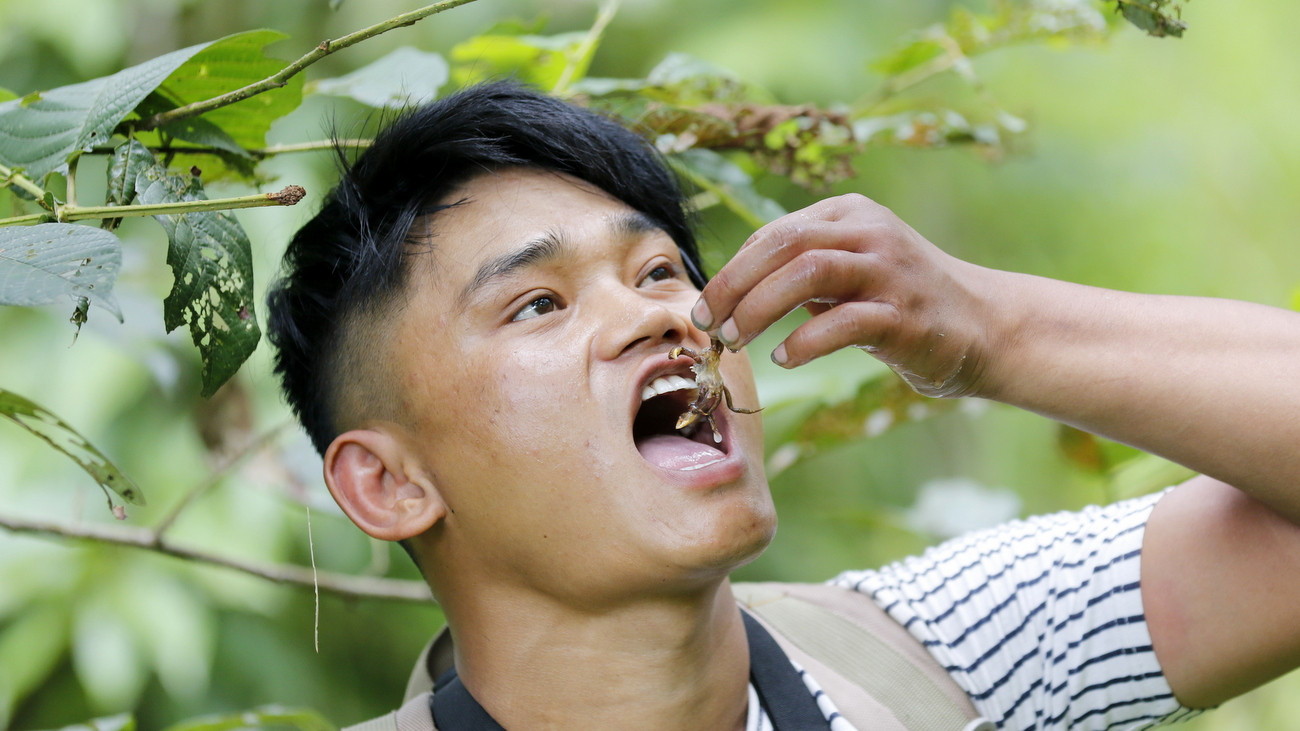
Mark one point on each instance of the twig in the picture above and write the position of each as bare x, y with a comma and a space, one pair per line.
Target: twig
253, 446
315, 585
29, 218
605, 15
338, 584
18, 180
289, 196
257, 152
281, 77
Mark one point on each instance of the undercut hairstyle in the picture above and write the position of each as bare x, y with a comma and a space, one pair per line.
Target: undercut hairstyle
347, 267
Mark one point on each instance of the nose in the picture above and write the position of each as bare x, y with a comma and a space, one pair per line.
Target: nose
631, 319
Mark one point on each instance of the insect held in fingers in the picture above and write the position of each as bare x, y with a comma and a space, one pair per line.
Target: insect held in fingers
712, 392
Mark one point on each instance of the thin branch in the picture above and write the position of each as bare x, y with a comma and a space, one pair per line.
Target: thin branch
29, 218
281, 77
18, 180
338, 584
353, 143
289, 196
358, 143
605, 15
254, 445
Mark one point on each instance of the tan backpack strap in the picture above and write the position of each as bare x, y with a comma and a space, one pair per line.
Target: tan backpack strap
877, 674
414, 715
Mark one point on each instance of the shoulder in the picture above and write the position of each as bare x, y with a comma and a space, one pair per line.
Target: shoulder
1040, 621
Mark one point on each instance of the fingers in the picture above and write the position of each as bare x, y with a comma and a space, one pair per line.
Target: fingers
818, 278
857, 324
820, 226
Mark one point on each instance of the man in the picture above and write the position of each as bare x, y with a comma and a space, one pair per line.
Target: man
475, 332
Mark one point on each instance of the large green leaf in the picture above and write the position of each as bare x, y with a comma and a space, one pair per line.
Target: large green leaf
39, 264
537, 60
6, 95
39, 132
405, 77
44, 424
229, 64
211, 260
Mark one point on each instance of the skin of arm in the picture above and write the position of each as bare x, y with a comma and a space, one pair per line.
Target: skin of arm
1211, 384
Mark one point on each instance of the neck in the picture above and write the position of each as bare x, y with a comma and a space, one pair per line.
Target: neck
678, 662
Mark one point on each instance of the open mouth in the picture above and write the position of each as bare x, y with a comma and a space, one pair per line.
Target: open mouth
654, 431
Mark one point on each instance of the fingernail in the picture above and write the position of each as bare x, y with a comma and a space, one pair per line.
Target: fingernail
729, 333
778, 356
701, 316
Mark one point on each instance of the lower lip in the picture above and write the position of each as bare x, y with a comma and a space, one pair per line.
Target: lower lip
708, 475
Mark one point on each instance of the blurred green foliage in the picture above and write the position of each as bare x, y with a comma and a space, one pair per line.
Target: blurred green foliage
1150, 165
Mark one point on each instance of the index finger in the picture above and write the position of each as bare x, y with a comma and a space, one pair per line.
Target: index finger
772, 247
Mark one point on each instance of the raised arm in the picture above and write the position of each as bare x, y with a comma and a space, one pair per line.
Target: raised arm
1211, 384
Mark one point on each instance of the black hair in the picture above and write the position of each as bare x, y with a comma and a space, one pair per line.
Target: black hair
349, 260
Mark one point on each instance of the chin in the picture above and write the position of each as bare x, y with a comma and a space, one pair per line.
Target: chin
736, 538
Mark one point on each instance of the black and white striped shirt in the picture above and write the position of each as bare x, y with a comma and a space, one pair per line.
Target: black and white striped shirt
1040, 621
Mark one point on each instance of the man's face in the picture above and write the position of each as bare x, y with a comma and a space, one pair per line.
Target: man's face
534, 327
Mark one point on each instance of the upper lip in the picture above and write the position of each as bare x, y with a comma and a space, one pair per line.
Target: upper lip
655, 366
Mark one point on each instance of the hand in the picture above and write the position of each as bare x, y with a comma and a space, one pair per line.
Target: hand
870, 281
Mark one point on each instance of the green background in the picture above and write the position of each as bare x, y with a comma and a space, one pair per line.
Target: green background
1154, 165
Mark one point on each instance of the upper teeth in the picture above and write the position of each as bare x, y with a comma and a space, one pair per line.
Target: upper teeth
665, 384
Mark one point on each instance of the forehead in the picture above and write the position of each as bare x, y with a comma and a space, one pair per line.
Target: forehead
494, 213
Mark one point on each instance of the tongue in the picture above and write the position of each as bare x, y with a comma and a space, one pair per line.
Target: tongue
672, 452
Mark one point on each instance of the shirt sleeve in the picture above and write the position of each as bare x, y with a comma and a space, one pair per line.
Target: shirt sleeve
1040, 621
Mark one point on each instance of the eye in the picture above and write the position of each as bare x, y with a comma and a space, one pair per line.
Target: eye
661, 273
539, 306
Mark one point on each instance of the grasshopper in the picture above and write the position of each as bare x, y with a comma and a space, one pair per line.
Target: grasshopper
712, 392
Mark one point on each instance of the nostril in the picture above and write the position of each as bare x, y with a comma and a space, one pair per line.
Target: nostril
633, 345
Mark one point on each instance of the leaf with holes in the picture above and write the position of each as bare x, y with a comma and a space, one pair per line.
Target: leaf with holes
211, 260
40, 131
405, 77
40, 421
39, 264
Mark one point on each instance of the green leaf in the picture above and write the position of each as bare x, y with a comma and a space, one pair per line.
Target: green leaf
211, 260
733, 186
233, 63
41, 263
6, 95
41, 131
44, 424
1159, 18
537, 60
264, 717
405, 77
130, 160
336, 4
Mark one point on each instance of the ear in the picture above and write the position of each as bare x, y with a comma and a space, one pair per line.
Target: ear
370, 476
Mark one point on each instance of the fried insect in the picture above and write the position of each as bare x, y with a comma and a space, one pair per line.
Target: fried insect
712, 392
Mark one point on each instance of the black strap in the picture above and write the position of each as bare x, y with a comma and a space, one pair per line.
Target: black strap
789, 705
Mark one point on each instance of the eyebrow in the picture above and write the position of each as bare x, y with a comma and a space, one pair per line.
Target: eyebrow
548, 247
